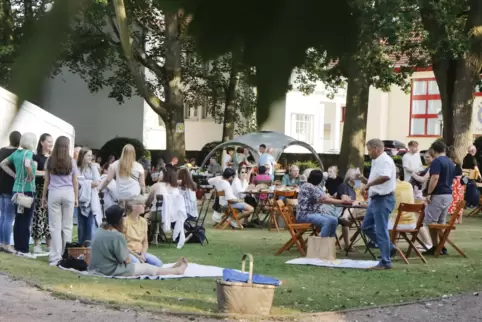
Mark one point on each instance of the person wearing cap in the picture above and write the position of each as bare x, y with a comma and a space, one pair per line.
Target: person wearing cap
110, 255
223, 183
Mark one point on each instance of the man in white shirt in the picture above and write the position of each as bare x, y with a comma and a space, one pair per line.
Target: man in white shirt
381, 185
411, 161
266, 159
223, 183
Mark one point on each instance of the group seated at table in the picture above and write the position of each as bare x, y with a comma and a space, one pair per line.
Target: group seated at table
316, 207
110, 254
223, 183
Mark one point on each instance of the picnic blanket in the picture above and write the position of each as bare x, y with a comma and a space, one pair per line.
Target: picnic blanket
193, 270
337, 263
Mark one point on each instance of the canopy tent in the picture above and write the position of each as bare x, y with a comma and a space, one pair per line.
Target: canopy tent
278, 141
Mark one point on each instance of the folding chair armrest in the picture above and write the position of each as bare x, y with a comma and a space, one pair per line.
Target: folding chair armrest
439, 226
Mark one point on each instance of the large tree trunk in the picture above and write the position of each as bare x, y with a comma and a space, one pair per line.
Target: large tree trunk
457, 78
230, 102
173, 92
352, 150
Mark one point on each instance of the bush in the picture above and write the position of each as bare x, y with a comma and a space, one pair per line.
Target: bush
114, 147
303, 165
208, 147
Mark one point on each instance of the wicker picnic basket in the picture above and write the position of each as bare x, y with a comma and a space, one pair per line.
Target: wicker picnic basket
245, 298
77, 252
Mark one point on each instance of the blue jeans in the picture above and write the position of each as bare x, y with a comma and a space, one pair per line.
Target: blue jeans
76, 216
150, 259
327, 223
21, 227
85, 227
375, 225
7, 215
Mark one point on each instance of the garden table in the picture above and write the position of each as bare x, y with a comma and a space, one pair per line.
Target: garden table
356, 221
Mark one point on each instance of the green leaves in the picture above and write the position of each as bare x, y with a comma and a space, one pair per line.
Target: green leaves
40, 50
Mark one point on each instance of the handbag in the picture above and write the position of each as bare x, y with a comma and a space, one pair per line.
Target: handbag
20, 198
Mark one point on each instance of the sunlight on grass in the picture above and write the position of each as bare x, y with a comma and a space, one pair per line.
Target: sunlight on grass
304, 289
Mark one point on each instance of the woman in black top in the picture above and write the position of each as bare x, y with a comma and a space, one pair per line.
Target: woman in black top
40, 224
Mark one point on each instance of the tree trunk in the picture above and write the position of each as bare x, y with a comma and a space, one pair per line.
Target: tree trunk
457, 78
352, 152
229, 103
173, 92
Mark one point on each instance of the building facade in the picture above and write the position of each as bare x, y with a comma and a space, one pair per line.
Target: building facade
315, 118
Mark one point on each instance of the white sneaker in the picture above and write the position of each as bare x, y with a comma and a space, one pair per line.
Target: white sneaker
27, 255
37, 249
9, 249
234, 224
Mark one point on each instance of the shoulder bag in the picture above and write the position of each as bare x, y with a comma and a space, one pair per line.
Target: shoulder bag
19, 198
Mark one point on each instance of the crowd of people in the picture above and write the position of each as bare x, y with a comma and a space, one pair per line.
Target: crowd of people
42, 185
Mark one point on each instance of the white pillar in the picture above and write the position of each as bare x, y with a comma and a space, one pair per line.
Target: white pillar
337, 126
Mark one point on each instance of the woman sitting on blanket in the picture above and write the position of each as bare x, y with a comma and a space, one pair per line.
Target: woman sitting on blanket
110, 255
135, 232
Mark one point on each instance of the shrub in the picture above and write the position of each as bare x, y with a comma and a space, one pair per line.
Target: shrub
208, 147
303, 165
114, 147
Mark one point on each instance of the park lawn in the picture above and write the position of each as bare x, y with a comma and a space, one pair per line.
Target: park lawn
304, 289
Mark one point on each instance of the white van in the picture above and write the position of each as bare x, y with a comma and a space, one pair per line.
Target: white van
30, 118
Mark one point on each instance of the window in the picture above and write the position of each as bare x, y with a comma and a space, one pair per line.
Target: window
327, 132
424, 108
302, 127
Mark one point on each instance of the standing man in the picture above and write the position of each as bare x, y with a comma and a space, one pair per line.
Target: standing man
411, 161
439, 191
267, 160
381, 185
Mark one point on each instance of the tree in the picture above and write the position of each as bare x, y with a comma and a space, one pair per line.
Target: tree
152, 64
385, 34
275, 37
454, 41
231, 99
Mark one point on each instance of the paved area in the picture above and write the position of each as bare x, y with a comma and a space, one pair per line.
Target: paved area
22, 303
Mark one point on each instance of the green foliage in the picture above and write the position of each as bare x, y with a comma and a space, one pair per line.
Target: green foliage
207, 148
275, 37
303, 165
386, 33
114, 147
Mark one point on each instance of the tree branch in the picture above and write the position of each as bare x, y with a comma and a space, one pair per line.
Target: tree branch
159, 106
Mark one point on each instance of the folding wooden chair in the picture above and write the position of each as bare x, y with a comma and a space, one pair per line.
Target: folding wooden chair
477, 210
296, 230
444, 231
273, 221
396, 232
229, 214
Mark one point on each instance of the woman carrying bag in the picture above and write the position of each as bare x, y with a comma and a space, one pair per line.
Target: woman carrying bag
23, 190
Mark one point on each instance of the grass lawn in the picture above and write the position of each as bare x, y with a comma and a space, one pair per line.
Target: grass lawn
305, 289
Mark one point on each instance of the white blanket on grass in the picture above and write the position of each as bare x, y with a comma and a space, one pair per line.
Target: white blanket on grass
337, 263
193, 270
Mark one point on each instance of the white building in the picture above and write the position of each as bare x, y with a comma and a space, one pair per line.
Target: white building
98, 118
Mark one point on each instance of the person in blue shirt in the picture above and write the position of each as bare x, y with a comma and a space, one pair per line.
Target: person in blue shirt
267, 160
439, 192
293, 178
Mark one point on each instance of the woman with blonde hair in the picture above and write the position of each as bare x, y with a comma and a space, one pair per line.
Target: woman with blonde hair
128, 173
25, 171
135, 232
110, 251
62, 185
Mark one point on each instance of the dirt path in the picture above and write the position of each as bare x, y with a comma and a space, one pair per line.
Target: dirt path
21, 303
